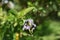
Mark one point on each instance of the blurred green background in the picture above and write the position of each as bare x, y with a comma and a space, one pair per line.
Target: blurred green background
45, 13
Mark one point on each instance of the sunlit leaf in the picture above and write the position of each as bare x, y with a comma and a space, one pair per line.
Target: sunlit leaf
1, 12
40, 8
58, 13
30, 4
10, 17
24, 12
15, 24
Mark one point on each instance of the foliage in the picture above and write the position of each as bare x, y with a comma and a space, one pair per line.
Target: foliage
12, 21
46, 15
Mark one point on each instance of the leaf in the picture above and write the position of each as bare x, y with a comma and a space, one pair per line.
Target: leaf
1, 12
10, 17
25, 34
30, 4
15, 24
58, 13
24, 12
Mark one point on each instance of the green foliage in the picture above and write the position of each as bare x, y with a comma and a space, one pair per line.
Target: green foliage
24, 12
11, 20
40, 10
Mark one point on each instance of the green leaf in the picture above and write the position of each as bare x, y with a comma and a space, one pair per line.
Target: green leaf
24, 12
1, 12
58, 13
10, 17
30, 4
